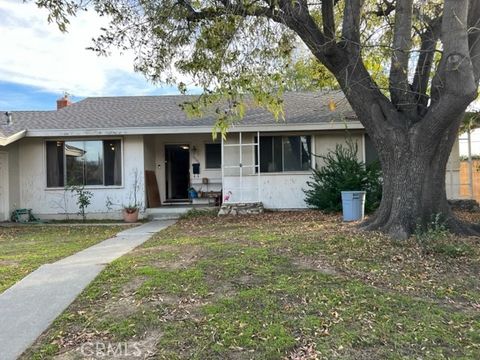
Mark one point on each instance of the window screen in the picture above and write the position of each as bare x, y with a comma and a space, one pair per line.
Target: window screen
213, 156
284, 153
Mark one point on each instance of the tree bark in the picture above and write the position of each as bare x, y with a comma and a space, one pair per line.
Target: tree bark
414, 190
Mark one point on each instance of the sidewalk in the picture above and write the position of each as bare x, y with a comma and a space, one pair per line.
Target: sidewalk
31, 305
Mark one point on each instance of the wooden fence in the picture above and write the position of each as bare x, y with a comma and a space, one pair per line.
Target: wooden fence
465, 181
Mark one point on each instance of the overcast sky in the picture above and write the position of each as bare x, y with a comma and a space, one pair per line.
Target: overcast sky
38, 63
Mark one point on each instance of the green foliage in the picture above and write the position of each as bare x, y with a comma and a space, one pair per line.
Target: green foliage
435, 238
83, 199
342, 171
309, 74
432, 232
230, 49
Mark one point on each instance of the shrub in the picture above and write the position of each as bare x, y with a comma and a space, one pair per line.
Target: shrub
83, 199
435, 238
342, 171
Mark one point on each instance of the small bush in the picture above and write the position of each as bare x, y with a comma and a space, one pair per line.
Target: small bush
435, 238
343, 172
431, 233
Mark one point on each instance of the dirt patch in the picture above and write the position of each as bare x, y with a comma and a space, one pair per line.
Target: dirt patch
314, 263
8, 263
182, 257
187, 257
133, 285
122, 307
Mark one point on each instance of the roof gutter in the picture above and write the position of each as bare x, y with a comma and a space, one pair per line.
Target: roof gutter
152, 130
4, 141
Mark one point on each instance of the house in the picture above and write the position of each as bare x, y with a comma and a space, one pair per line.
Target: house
107, 144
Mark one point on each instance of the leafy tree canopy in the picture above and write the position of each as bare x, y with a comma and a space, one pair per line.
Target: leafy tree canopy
230, 48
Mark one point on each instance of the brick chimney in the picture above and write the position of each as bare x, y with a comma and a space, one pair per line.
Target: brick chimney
63, 102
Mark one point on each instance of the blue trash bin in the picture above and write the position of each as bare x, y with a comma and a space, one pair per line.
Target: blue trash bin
353, 205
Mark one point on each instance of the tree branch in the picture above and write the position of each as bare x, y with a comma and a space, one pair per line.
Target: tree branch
423, 69
474, 36
229, 8
455, 85
389, 8
402, 42
351, 23
328, 17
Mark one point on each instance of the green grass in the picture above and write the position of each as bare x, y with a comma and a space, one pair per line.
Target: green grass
276, 286
25, 248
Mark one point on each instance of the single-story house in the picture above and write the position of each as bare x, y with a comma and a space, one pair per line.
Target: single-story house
108, 144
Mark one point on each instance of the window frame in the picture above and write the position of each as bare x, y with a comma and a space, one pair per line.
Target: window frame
282, 137
121, 186
205, 155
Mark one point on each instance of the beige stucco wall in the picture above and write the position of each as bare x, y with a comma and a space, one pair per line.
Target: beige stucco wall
53, 203
327, 141
9, 194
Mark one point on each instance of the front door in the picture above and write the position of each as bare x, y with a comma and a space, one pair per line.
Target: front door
177, 171
4, 206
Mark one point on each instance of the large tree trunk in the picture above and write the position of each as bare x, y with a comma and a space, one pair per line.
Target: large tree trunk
414, 189
413, 130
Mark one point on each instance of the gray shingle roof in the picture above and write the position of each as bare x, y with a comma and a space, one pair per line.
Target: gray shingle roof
165, 111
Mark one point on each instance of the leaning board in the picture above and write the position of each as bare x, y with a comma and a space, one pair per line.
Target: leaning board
153, 196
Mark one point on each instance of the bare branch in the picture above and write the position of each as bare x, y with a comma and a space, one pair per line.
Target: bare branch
381, 11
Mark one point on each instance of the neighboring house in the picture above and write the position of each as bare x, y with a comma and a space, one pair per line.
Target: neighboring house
106, 143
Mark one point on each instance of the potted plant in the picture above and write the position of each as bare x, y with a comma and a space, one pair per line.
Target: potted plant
130, 213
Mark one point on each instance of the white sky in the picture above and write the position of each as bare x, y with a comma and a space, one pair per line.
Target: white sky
35, 53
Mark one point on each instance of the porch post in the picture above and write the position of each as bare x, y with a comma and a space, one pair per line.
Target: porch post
223, 171
258, 167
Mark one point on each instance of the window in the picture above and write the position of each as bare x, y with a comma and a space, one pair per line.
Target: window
284, 153
213, 156
89, 162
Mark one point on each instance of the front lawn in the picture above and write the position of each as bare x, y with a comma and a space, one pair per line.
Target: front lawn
24, 248
296, 285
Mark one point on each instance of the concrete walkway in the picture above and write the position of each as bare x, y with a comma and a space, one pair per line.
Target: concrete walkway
31, 305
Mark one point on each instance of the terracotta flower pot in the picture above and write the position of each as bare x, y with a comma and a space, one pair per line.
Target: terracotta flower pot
130, 215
